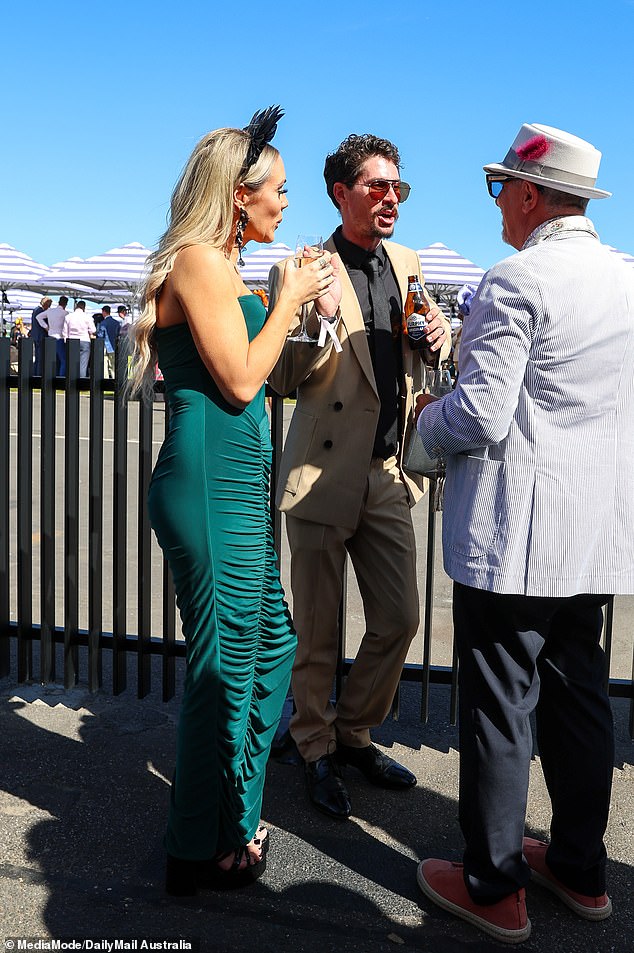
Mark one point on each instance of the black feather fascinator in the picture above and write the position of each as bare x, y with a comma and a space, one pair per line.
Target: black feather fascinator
261, 129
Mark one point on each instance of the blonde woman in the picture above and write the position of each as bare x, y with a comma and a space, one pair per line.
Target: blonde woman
208, 500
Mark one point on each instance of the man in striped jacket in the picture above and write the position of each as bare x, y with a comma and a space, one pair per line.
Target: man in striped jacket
538, 533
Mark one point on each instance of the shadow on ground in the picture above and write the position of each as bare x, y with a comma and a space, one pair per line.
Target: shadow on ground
83, 798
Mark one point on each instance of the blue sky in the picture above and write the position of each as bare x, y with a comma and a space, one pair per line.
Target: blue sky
103, 103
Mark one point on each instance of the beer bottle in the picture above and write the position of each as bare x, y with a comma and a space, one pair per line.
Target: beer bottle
415, 324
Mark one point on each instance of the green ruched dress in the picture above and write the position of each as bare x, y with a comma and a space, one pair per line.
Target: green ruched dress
209, 507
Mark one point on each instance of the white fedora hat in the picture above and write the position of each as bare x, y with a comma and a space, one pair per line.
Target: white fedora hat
552, 158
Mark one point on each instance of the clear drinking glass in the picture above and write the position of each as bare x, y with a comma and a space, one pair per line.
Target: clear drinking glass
438, 381
307, 248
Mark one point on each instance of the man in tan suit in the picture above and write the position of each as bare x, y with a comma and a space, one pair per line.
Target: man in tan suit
342, 485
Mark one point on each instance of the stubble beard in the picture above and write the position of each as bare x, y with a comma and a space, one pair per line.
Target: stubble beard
377, 231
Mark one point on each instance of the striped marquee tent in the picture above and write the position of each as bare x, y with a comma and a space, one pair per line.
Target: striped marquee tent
22, 303
257, 265
64, 286
55, 273
118, 270
442, 266
17, 270
445, 272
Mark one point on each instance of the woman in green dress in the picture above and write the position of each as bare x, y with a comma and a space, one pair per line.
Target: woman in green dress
208, 499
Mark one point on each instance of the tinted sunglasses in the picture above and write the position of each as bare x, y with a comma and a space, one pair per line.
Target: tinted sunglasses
378, 188
495, 184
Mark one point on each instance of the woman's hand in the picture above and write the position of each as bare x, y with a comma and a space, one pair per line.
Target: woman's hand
309, 282
328, 302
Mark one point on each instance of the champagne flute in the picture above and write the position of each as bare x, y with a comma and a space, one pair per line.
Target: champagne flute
307, 248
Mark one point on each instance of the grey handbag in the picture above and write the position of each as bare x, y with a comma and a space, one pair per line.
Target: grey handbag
416, 458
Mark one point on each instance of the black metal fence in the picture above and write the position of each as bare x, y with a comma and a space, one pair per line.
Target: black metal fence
56, 551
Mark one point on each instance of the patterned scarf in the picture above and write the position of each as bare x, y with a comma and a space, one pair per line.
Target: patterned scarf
555, 226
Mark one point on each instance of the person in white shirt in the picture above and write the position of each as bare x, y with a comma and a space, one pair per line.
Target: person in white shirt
56, 317
80, 326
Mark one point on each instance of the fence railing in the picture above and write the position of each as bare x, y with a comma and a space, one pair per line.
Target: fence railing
75, 538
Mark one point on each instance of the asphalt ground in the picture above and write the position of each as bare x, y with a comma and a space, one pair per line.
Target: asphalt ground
84, 782
84, 785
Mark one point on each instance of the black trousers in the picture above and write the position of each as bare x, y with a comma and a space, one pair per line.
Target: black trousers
37, 355
519, 654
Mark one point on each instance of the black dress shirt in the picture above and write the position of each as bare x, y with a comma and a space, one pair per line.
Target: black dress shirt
385, 345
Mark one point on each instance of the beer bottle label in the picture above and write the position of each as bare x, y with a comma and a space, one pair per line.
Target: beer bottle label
416, 326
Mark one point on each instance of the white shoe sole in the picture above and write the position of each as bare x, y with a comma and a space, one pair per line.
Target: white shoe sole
588, 913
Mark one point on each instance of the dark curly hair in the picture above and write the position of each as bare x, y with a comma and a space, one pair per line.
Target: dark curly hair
344, 165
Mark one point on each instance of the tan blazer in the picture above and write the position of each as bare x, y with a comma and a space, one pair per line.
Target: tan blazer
329, 445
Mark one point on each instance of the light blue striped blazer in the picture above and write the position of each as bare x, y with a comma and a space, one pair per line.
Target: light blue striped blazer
539, 433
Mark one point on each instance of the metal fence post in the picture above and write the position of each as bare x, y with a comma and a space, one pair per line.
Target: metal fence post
119, 505
95, 515
25, 510
48, 487
5, 377
144, 541
71, 515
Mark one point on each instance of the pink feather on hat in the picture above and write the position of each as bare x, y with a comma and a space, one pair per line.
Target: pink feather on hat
533, 149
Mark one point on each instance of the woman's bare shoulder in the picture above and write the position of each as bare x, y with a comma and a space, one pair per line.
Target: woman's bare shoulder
192, 256
200, 267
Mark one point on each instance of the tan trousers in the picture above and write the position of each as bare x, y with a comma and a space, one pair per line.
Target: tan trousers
382, 549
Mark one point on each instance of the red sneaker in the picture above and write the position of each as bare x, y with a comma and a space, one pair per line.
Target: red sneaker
590, 908
443, 882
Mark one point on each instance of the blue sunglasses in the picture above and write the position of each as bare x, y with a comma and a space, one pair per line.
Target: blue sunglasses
495, 183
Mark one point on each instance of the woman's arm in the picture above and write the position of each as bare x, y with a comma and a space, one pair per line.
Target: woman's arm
204, 287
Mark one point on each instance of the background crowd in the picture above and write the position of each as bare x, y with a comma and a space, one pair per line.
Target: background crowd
61, 325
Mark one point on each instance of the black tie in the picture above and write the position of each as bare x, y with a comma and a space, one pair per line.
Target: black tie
378, 297
382, 349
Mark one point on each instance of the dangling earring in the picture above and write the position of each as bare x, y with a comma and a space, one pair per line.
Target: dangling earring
240, 227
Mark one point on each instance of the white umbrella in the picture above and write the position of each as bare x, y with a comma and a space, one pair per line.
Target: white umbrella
118, 270
17, 270
61, 283
445, 273
59, 286
255, 272
22, 303
443, 266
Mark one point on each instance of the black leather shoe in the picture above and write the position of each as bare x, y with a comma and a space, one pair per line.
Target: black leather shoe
377, 767
326, 788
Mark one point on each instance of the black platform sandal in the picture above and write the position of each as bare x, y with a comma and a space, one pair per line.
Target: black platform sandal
184, 878
237, 875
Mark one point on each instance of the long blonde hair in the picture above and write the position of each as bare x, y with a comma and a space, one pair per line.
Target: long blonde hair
202, 211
